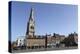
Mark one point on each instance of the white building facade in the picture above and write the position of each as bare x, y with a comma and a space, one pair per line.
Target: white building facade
20, 41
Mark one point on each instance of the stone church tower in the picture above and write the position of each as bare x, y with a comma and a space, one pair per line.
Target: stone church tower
31, 25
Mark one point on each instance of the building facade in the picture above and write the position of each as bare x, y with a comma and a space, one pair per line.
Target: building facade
20, 41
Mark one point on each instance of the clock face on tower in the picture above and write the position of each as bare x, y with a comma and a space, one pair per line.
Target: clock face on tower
32, 27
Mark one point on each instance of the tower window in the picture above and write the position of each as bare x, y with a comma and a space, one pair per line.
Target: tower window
32, 27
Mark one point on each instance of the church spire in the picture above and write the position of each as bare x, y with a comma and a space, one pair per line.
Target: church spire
31, 15
31, 25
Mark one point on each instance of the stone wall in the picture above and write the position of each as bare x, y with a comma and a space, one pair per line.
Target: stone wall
35, 42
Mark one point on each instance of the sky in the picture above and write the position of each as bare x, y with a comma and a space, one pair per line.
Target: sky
49, 18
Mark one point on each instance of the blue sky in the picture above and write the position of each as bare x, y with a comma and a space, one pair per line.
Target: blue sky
49, 18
